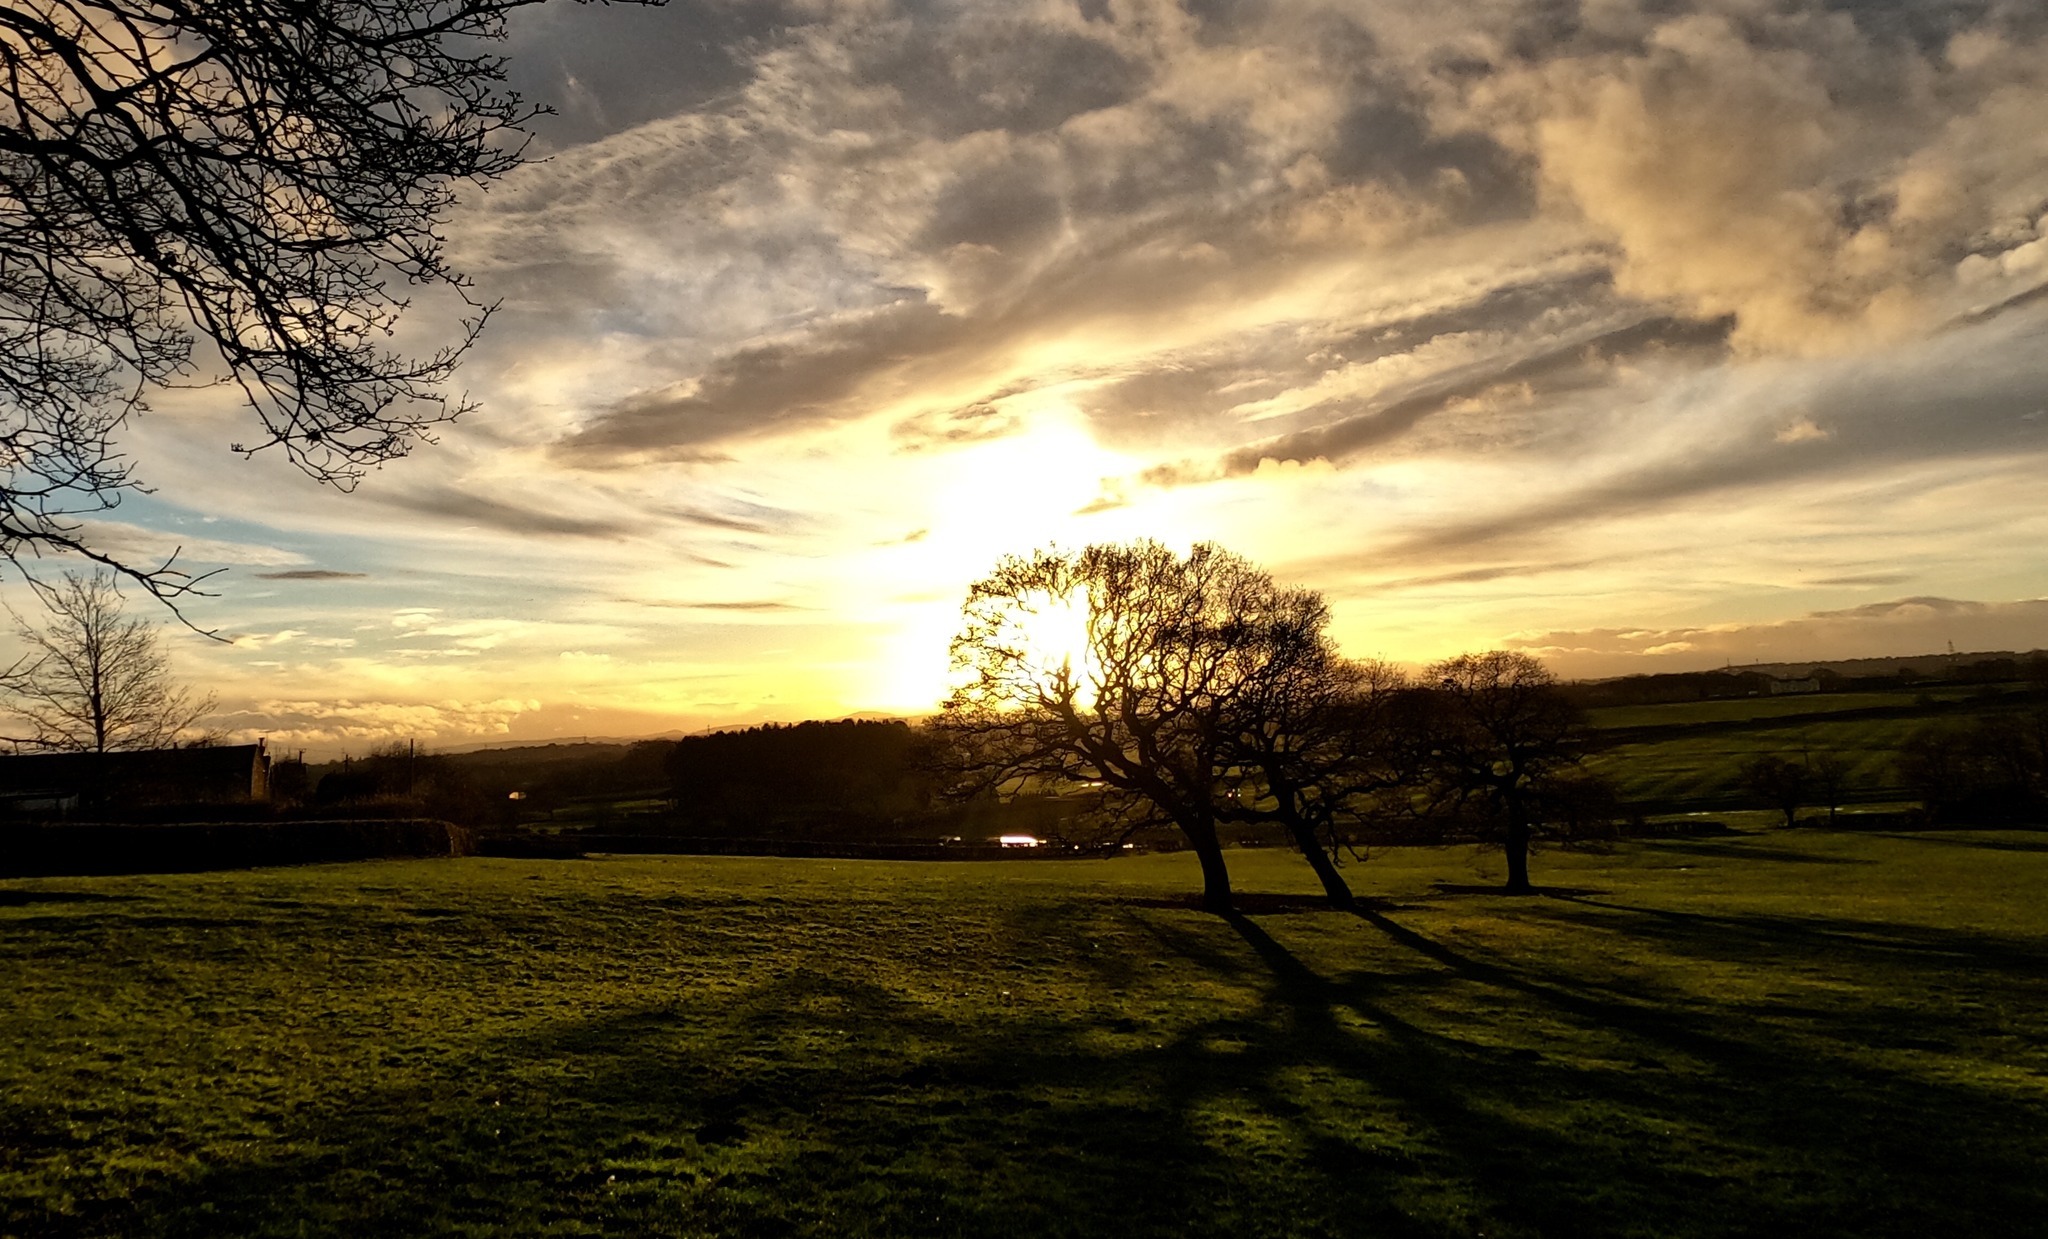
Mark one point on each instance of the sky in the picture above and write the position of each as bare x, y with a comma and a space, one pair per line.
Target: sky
1642, 335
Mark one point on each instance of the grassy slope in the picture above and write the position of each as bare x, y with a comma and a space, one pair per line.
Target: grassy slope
1705, 770
1688, 755
1793, 1033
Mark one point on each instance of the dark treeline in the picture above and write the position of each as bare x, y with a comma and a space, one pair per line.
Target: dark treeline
489, 787
1993, 769
771, 779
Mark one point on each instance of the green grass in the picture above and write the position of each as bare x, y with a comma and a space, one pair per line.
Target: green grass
1791, 1033
1764, 709
1706, 769
1689, 755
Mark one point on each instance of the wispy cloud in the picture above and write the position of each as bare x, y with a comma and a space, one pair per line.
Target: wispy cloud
312, 574
1484, 318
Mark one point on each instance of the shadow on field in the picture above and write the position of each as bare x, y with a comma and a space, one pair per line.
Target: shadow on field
1949, 840
1495, 888
1259, 1082
1249, 903
23, 898
1750, 849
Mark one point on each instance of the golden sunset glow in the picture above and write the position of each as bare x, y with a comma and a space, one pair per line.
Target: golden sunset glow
1661, 341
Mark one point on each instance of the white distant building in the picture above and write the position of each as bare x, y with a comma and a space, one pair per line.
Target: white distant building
1017, 841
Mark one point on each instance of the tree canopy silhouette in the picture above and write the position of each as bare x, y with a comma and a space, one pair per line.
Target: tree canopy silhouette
1191, 690
237, 188
1502, 735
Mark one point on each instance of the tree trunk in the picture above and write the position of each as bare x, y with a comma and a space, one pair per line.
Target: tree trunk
1334, 886
1518, 849
1215, 877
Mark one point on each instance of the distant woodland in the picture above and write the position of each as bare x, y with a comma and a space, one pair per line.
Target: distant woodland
1941, 735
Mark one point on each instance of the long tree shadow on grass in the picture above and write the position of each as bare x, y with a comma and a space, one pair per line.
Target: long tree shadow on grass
1423, 1087
1942, 838
1751, 849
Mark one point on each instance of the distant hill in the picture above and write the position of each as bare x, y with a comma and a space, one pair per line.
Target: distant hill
583, 748
591, 743
1929, 666
1984, 667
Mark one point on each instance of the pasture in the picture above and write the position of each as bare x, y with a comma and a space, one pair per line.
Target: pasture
1798, 1032
1688, 756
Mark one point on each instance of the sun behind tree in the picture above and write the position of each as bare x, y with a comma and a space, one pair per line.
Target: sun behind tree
1187, 690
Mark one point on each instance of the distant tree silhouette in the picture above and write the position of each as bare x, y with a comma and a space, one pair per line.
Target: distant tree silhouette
1501, 729
1995, 770
1190, 690
93, 679
1829, 774
1784, 785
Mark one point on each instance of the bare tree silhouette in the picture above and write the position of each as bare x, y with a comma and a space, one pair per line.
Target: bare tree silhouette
95, 680
241, 189
1501, 730
1191, 689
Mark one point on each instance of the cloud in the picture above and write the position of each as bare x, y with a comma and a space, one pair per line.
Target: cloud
288, 722
761, 606
497, 515
1877, 412
312, 574
740, 516
767, 387
137, 544
1883, 629
1485, 316
1803, 170
898, 198
1578, 364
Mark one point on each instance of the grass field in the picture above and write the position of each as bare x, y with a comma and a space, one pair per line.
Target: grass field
1797, 1033
1705, 771
1766, 709
1688, 755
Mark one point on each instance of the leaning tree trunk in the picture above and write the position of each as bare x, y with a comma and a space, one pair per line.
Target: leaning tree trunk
1334, 887
1518, 848
1215, 877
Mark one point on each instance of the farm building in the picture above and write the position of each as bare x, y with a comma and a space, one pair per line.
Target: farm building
58, 784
